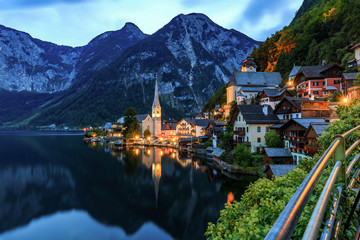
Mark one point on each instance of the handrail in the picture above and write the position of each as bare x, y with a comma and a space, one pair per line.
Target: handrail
286, 222
314, 224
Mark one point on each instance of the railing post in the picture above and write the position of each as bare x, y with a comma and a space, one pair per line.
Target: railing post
339, 155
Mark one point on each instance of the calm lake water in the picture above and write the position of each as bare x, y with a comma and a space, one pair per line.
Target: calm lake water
57, 187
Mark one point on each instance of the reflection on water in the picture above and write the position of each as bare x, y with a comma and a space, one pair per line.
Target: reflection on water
46, 182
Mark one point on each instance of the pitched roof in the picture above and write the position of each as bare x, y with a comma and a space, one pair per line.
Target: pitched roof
217, 152
304, 122
156, 95
171, 125
278, 152
294, 70
202, 122
188, 120
356, 46
141, 117
220, 123
293, 100
255, 79
277, 126
319, 128
281, 169
255, 114
315, 71
274, 92
350, 76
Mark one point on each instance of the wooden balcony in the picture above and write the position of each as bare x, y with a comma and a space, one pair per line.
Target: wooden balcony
239, 133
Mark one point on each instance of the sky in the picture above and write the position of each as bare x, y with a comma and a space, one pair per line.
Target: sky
76, 22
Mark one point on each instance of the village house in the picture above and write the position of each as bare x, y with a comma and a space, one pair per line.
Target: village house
292, 75
348, 82
168, 130
276, 170
218, 112
273, 96
312, 134
199, 126
251, 123
277, 156
295, 135
290, 107
184, 128
356, 61
214, 129
246, 84
318, 81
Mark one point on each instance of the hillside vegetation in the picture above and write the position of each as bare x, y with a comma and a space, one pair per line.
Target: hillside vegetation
321, 30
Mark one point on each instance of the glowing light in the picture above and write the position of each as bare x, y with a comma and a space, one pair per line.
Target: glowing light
161, 153
148, 151
157, 115
345, 100
230, 198
84, 129
173, 155
148, 138
161, 139
137, 137
137, 151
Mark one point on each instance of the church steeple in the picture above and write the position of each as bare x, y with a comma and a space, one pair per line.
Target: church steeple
156, 96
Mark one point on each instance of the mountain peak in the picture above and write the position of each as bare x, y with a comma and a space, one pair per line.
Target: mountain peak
129, 26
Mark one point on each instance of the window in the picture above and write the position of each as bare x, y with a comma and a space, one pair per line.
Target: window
300, 95
297, 115
258, 129
316, 92
315, 83
336, 81
267, 129
323, 83
307, 85
306, 93
247, 129
259, 140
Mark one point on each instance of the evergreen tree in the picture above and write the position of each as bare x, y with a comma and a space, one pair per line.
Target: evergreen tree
273, 140
131, 125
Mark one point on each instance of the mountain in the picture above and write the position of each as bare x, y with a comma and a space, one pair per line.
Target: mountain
191, 55
321, 30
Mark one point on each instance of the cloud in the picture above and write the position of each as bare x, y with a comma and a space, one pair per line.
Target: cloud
16, 4
76, 22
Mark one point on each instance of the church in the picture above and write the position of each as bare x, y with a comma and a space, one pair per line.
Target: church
153, 122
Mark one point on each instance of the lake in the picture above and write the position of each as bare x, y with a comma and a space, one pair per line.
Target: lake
55, 186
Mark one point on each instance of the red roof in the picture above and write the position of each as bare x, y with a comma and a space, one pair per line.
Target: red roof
356, 46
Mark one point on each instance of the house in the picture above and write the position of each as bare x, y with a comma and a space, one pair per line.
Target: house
199, 126
291, 107
275, 170
184, 127
246, 84
350, 90
311, 80
214, 129
217, 153
312, 134
218, 112
168, 129
294, 133
277, 156
356, 61
273, 96
251, 123
292, 75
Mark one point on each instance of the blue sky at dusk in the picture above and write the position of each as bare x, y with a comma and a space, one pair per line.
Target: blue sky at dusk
76, 22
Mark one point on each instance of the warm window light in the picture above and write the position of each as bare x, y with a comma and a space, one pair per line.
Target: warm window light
148, 138
157, 115
148, 151
137, 137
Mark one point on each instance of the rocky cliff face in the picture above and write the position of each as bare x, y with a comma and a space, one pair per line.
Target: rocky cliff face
191, 55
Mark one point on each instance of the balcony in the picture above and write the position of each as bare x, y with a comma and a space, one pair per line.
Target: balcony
239, 133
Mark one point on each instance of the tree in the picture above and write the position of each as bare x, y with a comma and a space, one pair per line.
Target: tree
273, 140
242, 156
227, 139
131, 125
147, 133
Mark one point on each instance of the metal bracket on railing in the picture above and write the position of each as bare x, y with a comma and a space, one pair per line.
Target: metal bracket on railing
339, 155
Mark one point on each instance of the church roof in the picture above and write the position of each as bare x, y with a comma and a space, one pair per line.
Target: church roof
141, 117
268, 79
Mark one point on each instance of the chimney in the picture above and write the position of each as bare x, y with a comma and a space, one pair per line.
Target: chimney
323, 63
265, 109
